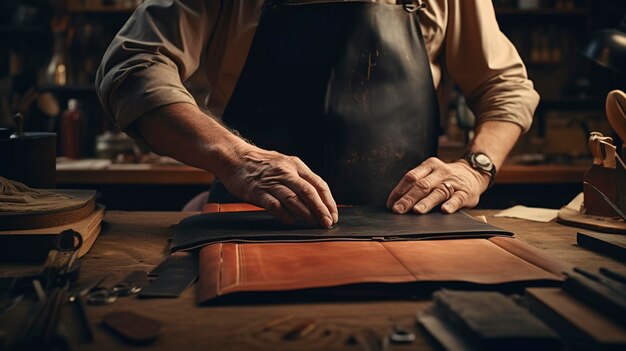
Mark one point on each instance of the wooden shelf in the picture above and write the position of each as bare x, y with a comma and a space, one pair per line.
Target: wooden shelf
146, 174
541, 174
180, 174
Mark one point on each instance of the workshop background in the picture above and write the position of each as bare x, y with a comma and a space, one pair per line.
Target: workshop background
50, 51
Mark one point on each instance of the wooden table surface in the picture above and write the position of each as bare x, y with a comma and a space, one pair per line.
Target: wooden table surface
139, 241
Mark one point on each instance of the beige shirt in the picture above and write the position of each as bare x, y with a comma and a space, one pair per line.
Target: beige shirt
205, 42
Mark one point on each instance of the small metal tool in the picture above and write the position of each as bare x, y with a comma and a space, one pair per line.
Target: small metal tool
76, 300
101, 296
83, 318
401, 335
130, 285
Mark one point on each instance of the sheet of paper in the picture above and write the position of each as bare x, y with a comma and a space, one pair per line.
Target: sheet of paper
529, 213
576, 203
67, 164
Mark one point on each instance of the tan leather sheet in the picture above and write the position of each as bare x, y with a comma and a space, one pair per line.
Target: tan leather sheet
229, 268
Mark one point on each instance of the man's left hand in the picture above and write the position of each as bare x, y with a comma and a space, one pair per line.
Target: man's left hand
456, 185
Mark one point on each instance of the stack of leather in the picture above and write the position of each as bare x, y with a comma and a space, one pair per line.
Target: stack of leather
31, 219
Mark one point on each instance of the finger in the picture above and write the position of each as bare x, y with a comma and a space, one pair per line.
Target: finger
408, 181
321, 186
274, 207
437, 196
456, 202
420, 189
311, 199
293, 204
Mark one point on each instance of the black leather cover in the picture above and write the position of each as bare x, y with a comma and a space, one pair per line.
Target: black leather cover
355, 223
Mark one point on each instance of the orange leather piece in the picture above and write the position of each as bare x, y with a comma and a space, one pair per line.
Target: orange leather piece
214, 207
228, 268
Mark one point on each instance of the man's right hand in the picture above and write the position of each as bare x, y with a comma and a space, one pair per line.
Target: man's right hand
283, 185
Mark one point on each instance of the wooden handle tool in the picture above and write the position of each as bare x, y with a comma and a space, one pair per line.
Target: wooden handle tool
616, 112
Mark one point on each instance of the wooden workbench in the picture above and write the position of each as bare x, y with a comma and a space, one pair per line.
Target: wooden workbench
139, 241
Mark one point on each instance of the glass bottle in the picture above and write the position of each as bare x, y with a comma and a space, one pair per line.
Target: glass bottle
72, 131
57, 73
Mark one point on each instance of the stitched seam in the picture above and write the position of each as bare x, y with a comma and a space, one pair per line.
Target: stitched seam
240, 259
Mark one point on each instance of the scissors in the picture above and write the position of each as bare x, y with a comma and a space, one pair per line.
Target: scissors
129, 286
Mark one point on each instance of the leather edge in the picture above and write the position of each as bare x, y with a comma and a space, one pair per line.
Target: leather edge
209, 286
532, 255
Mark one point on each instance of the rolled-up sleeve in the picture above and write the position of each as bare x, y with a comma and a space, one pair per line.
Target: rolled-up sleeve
159, 47
486, 65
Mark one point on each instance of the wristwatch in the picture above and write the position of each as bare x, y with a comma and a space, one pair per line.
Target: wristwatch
482, 163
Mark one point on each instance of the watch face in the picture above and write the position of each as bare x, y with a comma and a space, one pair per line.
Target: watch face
482, 161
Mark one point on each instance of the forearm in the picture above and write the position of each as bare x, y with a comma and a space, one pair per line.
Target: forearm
184, 132
495, 139
282, 184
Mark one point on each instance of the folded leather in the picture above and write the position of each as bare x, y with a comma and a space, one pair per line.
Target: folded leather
231, 268
355, 223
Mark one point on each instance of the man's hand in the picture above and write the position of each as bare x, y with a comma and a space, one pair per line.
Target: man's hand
456, 185
281, 184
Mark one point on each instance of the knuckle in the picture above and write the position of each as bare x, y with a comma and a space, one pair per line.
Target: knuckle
423, 184
433, 161
294, 159
412, 176
462, 196
322, 184
458, 202
440, 192
292, 198
306, 191
407, 200
272, 205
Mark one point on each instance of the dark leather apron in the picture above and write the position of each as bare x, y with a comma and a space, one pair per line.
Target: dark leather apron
345, 86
